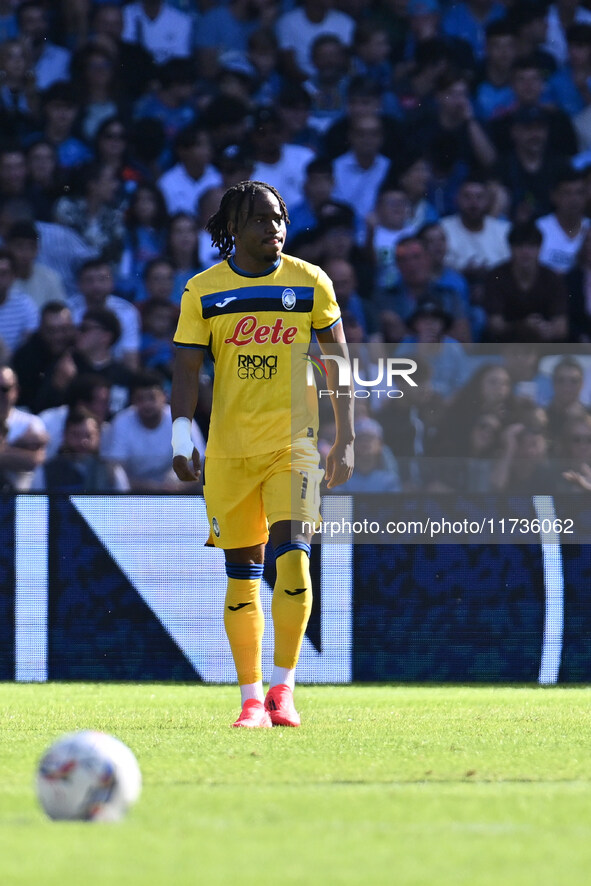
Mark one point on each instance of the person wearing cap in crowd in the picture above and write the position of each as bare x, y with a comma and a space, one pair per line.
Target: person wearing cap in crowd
527, 169
194, 173
96, 337
277, 162
525, 301
428, 326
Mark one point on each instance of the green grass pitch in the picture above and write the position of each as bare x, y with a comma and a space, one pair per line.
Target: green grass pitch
401, 785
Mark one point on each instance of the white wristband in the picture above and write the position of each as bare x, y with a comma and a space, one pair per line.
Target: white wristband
182, 443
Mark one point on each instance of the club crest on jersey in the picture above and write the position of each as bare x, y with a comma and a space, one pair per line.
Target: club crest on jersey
288, 299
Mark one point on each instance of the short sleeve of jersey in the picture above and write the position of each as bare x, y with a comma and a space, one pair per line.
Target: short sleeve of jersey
326, 311
192, 330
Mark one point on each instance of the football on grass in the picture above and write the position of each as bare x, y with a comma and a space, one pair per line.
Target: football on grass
88, 776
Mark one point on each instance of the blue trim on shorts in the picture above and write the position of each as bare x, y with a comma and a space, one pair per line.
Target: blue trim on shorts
292, 546
245, 571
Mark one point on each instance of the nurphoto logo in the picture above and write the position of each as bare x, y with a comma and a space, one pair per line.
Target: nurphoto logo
385, 370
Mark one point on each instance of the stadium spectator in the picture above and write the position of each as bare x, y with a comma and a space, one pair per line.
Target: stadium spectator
578, 285
573, 450
298, 28
390, 222
95, 211
24, 436
263, 56
111, 149
165, 32
78, 466
344, 281
19, 315
159, 319
472, 470
193, 174
468, 20
95, 284
566, 404
428, 327
522, 466
44, 179
43, 363
376, 469
140, 438
97, 334
531, 90
359, 172
159, 279
59, 110
364, 97
525, 301
13, 173
570, 84
526, 170
564, 230
529, 18
562, 15
396, 306
433, 238
145, 238
327, 86
38, 281
224, 28
413, 176
134, 63
476, 241
276, 161
90, 391
171, 102
49, 61
494, 92
453, 117
317, 190
183, 250
19, 96
371, 55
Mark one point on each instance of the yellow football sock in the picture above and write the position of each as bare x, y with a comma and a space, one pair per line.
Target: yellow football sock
291, 606
244, 622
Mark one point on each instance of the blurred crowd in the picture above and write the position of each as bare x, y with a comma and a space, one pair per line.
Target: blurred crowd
435, 160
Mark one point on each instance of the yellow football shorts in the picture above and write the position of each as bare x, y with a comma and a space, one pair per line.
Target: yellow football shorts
244, 496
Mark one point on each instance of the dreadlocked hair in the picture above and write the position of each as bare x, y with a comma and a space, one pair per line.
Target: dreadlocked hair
230, 208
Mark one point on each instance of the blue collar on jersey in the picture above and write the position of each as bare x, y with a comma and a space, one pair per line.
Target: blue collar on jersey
242, 273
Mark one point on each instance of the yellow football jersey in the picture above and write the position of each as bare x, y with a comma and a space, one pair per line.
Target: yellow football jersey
258, 328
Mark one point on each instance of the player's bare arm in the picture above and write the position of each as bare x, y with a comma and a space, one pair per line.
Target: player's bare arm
340, 459
183, 403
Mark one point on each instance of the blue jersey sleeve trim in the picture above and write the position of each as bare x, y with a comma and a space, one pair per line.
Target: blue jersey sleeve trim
193, 347
323, 328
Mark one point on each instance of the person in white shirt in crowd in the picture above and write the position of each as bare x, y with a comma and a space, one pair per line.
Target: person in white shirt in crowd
50, 62
187, 180
278, 162
390, 223
38, 281
360, 172
563, 231
22, 436
476, 241
297, 29
19, 315
95, 285
164, 31
140, 438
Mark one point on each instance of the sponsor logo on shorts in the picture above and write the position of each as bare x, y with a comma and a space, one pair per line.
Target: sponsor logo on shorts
288, 299
258, 366
216, 527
